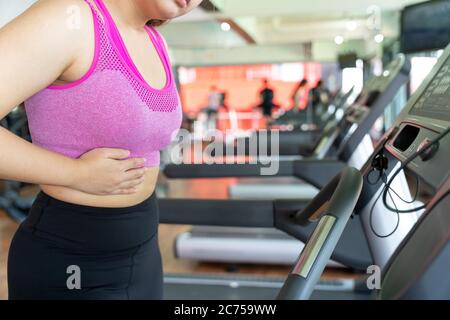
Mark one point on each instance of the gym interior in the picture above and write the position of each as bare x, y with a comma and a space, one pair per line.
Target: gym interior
312, 159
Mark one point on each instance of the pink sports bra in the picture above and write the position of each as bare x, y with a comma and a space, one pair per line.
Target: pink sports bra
111, 106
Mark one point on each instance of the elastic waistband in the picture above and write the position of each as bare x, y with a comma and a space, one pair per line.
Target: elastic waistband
44, 199
85, 228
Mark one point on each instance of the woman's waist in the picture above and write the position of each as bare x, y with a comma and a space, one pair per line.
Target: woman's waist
143, 191
92, 228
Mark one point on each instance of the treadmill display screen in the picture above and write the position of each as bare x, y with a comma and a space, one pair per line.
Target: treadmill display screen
435, 101
425, 26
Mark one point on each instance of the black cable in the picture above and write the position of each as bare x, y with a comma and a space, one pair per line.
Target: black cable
386, 190
416, 194
375, 181
402, 167
372, 227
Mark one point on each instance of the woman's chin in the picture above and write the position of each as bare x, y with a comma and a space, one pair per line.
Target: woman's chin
170, 14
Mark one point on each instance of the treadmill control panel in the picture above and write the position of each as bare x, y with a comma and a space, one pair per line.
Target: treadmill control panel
432, 165
435, 101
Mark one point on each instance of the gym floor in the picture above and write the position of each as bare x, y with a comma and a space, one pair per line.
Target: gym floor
175, 189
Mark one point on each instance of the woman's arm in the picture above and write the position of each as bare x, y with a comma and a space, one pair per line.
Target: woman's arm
36, 49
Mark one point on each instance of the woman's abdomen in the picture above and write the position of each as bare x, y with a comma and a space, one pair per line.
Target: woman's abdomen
144, 190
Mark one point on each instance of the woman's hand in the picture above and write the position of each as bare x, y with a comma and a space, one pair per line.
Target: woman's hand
107, 171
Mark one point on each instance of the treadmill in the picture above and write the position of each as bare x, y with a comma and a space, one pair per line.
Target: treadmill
345, 139
411, 249
296, 118
293, 139
395, 75
269, 245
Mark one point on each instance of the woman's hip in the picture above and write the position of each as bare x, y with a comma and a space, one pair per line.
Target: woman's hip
88, 229
40, 270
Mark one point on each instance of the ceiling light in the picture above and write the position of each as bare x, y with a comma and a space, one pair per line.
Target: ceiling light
225, 26
339, 40
379, 38
351, 25
360, 63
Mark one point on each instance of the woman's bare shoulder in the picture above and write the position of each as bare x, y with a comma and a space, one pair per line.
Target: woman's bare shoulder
39, 45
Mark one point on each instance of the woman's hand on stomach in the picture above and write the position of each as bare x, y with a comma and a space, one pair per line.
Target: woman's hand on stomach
106, 171
107, 178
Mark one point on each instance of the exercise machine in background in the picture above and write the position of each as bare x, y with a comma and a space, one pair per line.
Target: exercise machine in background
407, 236
345, 143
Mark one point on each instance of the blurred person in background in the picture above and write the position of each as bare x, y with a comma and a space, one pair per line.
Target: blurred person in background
267, 95
319, 95
300, 96
214, 102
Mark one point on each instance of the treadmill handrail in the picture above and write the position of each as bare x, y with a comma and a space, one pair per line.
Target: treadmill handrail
226, 213
317, 172
320, 204
319, 248
191, 171
229, 213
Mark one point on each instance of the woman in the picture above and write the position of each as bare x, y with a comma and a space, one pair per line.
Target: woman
300, 96
101, 103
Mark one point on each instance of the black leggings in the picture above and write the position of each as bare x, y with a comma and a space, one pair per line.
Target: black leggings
69, 251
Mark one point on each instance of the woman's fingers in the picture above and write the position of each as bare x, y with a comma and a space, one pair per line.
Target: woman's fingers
131, 184
133, 163
123, 191
134, 174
